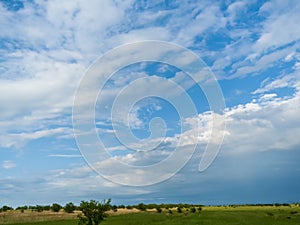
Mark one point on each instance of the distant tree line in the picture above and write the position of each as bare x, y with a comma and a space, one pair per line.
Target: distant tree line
94, 212
55, 207
71, 207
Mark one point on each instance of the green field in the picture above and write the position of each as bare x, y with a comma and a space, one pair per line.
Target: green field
208, 216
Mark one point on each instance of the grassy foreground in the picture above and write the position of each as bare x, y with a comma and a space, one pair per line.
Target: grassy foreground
208, 216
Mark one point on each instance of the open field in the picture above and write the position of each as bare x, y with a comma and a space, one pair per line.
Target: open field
17, 216
241, 215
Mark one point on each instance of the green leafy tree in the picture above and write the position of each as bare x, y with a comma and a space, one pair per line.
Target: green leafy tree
179, 209
39, 208
69, 207
56, 207
46, 207
93, 212
6, 208
193, 209
199, 209
115, 208
141, 207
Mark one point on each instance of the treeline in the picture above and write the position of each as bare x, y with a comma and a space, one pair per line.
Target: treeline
55, 207
269, 204
144, 207
71, 207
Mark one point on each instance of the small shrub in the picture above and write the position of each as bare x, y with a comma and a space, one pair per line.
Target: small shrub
69, 207
56, 207
158, 209
179, 210
142, 207
193, 210
121, 206
115, 208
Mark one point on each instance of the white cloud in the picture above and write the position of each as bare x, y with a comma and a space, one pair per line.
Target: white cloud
281, 26
49, 44
7, 164
18, 140
209, 18
285, 81
234, 9
269, 123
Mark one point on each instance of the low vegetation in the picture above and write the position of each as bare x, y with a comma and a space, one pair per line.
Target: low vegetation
94, 213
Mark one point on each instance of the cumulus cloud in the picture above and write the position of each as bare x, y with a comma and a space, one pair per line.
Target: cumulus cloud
267, 123
46, 47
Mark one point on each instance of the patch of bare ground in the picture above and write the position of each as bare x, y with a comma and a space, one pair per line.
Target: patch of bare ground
123, 211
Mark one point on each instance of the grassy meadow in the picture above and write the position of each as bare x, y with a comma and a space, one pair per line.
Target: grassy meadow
236, 215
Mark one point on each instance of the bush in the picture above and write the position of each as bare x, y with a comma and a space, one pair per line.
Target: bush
39, 208
193, 209
179, 210
115, 208
56, 207
141, 207
69, 207
158, 209
121, 207
6, 208
46, 207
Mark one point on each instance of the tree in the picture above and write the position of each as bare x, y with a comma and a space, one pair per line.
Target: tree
93, 212
115, 208
6, 208
179, 210
69, 207
193, 209
158, 209
56, 207
141, 207
39, 208
199, 209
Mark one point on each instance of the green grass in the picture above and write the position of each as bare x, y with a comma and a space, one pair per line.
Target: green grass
208, 216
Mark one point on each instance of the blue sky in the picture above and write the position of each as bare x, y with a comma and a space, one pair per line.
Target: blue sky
251, 47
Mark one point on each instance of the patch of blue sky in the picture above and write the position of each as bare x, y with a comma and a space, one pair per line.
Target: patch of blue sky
49, 154
160, 4
216, 41
13, 5
238, 90
198, 98
10, 45
161, 69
